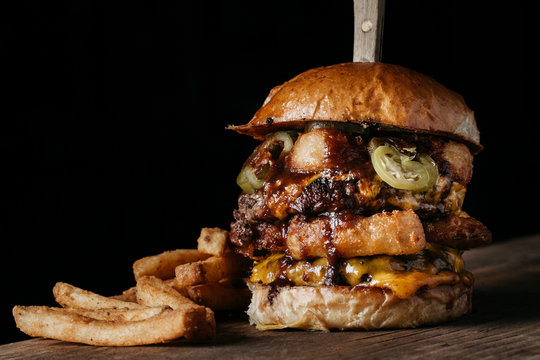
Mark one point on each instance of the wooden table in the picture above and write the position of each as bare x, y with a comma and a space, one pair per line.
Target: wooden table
505, 323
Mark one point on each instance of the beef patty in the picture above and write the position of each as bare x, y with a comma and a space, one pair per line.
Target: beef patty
328, 173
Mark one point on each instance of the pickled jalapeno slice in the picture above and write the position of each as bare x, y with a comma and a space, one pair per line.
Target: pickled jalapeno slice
403, 171
253, 176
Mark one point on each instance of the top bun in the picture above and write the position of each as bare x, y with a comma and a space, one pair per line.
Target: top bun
390, 96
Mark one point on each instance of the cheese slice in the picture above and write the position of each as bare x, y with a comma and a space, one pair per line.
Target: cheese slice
403, 275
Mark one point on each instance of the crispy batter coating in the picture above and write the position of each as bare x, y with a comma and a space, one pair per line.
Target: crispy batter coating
391, 233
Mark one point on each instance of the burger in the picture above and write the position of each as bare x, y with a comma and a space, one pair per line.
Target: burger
351, 209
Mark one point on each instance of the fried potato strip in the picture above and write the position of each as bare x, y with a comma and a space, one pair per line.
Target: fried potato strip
213, 241
210, 270
71, 296
65, 325
152, 291
162, 265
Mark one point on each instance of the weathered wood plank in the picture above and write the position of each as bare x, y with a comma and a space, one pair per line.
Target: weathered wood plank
505, 323
368, 30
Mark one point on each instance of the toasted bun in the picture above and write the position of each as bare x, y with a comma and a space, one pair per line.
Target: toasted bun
345, 307
393, 97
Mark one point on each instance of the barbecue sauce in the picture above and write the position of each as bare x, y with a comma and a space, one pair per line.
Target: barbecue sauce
345, 158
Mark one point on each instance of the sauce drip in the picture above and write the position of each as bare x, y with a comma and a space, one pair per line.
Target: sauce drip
332, 275
281, 280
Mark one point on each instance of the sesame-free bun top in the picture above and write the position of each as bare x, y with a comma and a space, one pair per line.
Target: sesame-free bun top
390, 96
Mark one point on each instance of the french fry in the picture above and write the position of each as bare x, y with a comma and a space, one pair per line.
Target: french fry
212, 269
163, 265
152, 291
129, 295
213, 241
219, 297
172, 283
63, 324
120, 314
71, 296
174, 296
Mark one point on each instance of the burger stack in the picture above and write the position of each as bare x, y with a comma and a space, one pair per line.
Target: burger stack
352, 205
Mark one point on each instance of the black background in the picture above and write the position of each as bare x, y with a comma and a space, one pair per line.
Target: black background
115, 146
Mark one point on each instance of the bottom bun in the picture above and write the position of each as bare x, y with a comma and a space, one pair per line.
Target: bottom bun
346, 307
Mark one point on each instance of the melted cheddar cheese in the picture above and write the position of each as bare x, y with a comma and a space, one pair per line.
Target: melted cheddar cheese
403, 275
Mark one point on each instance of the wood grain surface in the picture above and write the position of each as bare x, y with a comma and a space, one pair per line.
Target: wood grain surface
504, 324
368, 30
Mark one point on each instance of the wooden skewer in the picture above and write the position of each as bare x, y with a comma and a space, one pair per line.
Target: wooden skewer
368, 26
